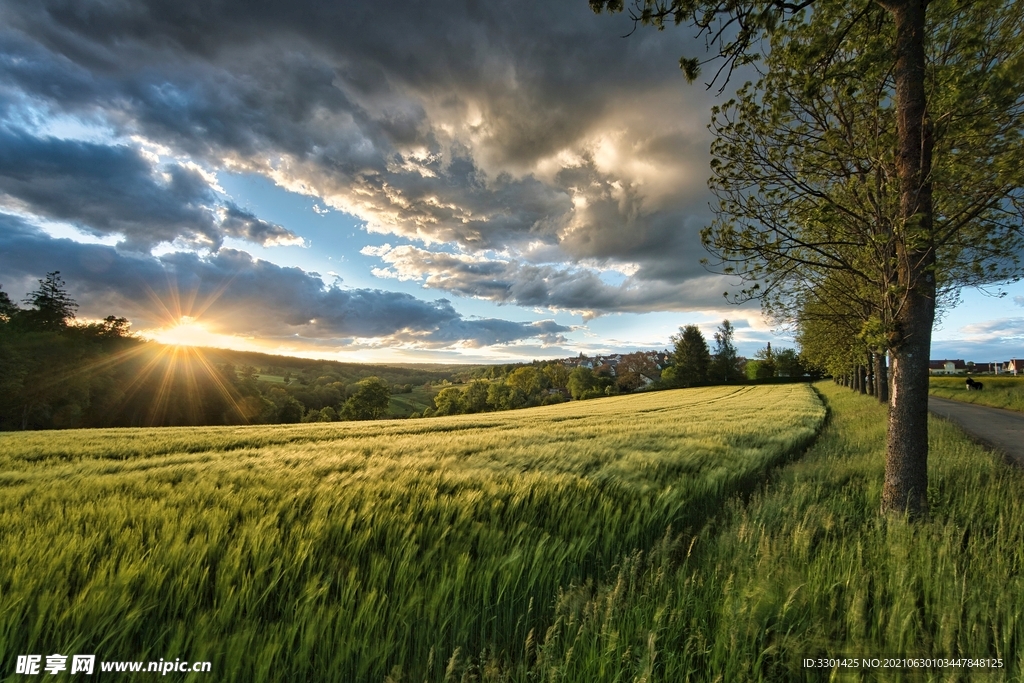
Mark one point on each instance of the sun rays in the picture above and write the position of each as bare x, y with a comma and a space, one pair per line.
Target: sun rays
189, 332
170, 379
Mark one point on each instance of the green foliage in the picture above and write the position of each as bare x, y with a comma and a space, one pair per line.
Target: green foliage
355, 551
405, 404
450, 401
327, 414
59, 375
766, 363
724, 366
476, 396
758, 369
369, 402
528, 380
692, 358
788, 363
581, 380
501, 396
806, 175
288, 410
54, 374
557, 375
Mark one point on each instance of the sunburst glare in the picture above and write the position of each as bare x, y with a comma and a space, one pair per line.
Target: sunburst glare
187, 332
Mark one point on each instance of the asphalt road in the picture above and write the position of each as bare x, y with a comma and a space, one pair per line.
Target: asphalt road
1001, 430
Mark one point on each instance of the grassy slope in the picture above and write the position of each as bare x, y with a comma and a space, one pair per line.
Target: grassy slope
416, 401
348, 551
999, 392
807, 568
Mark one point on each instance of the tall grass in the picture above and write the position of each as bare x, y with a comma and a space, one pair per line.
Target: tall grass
999, 392
806, 568
410, 550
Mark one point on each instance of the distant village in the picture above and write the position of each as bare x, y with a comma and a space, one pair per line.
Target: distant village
958, 367
660, 360
607, 364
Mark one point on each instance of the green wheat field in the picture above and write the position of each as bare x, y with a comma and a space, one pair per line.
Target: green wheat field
669, 536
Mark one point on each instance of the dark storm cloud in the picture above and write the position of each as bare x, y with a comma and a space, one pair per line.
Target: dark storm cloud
495, 125
113, 190
230, 292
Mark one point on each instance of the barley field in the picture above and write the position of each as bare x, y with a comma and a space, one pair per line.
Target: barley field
405, 550
806, 568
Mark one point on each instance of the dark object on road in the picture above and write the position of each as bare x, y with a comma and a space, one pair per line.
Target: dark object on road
974, 386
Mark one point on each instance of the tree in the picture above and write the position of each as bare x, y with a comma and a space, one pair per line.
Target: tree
501, 396
557, 374
528, 380
581, 381
787, 363
811, 201
476, 396
450, 401
54, 309
723, 367
736, 27
289, 410
370, 401
111, 327
764, 365
830, 334
632, 369
692, 358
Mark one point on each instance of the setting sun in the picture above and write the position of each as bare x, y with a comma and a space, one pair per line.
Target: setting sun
187, 332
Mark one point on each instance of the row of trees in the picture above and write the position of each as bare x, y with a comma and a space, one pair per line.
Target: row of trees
544, 384
874, 169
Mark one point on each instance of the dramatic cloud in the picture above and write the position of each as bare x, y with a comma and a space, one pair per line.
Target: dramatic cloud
506, 281
113, 190
520, 153
524, 128
232, 293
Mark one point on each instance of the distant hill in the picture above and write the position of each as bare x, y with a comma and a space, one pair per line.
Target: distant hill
395, 373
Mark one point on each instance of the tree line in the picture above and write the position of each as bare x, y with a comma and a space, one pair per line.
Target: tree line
874, 169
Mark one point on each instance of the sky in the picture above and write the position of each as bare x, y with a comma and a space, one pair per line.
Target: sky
459, 181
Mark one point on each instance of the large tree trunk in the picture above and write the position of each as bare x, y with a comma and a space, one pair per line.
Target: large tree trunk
906, 463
